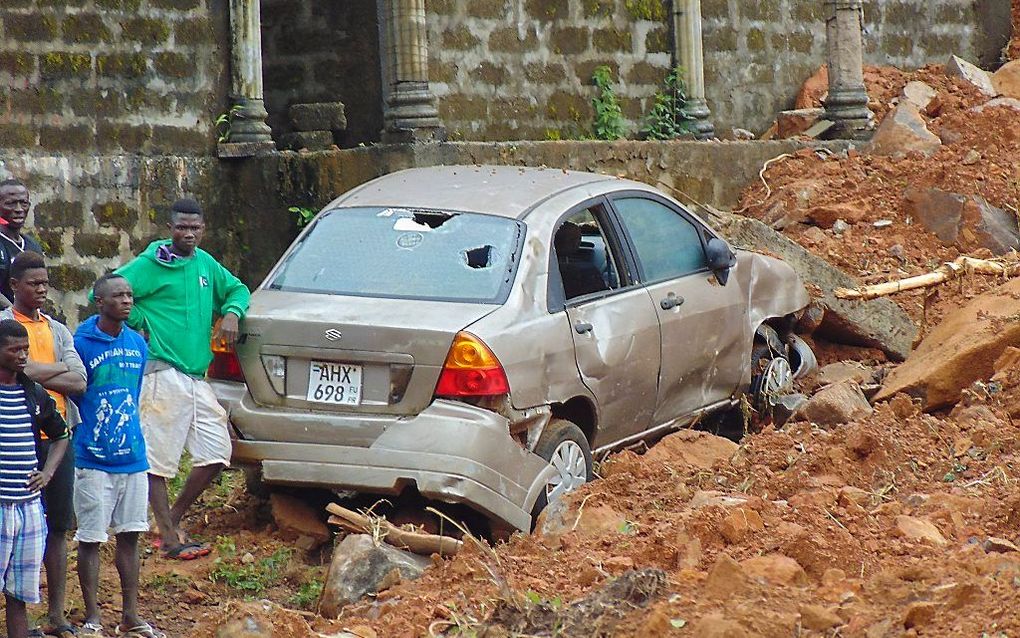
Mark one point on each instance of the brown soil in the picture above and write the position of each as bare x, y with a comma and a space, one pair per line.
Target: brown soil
1013, 49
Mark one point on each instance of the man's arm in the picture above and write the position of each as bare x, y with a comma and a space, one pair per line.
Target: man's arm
56, 377
74, 380
232, 298
39, 479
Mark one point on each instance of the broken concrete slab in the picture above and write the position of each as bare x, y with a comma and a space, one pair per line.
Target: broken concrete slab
1007, 80
307, 140
974, 75
318, 116
999, 102
921, 95
361, 567
878, 323
962, 349
903, 131
795, 122
835, 404
967, 222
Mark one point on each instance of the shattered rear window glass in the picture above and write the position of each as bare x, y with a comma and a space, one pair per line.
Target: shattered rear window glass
396, 252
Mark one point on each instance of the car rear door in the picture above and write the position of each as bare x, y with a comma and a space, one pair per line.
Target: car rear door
703, 323
615, 329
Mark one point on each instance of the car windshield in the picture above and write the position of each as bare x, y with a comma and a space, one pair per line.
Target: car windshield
405, 253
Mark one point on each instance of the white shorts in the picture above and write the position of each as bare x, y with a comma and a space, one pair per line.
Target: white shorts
179, 411
106, 501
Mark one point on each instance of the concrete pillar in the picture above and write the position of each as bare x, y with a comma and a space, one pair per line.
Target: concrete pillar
689, 54
847, 103
410, 110
249, 132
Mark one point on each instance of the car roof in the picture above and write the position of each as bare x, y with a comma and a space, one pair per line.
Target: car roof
506, 191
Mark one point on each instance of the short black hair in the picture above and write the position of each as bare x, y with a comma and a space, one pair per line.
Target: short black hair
99, 288
185, 206
12, 181
11, 329
27, 260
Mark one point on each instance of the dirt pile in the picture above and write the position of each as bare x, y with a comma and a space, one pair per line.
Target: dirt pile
1013, 48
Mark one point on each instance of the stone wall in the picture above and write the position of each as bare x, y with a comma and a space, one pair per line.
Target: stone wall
521, 69
112, 76
93, 214
323, 51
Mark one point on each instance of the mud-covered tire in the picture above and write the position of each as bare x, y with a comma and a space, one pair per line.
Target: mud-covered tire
565, 447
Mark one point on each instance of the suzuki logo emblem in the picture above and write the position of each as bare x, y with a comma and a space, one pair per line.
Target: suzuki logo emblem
333, 334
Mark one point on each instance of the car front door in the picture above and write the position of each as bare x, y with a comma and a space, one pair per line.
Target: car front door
613, 324
704, 324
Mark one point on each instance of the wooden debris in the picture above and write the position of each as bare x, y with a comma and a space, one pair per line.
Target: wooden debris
417, 542
947, 272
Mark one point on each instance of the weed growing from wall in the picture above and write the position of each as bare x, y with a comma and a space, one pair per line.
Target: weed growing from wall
608, 123
668, 120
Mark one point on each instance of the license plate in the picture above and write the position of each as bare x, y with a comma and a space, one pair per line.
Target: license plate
334, 383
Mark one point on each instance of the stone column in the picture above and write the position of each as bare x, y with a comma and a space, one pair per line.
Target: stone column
847, 103
249, 133
410, 111
689, 54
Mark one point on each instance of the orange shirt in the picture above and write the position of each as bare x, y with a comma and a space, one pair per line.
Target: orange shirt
40, 349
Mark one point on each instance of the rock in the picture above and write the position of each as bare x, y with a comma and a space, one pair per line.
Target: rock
562, 516
878, 323
193, 596
827, 216
297, 519
318, 116
839, 227
775, 569
999, 102
791, 123
970, 158
978, 78
725, 579
307, 140
360, 567
740, 523
902, 131
919, 529
999, 545
713, 498
835, 404
247, 627
742, 134
1007, 80
919, 614
921, 95
718, 626
960, 350
814, 90
618, 564
842, 371
967, 222
700, 449
818, 618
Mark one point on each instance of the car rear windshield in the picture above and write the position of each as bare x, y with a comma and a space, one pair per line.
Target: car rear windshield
406, 253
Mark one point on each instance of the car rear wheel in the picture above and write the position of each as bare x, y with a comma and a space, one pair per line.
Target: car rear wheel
566, 448
772, 377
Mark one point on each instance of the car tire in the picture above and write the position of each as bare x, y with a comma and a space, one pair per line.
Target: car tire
565, 447
253, 482
762, 358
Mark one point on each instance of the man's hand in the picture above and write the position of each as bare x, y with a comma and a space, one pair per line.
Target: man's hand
37, 480
227, 332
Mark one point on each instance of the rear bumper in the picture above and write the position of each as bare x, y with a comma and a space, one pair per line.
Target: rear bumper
451, 452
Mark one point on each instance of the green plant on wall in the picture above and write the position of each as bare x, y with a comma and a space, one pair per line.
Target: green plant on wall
668, 120
303, 214
608, 123
223, 123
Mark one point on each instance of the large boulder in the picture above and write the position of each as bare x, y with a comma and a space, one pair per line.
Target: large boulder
1007, 80
921, 95
361, 567
693, 447
878, 323
903, 131
835, 404
960, 350
973, 75
965, 221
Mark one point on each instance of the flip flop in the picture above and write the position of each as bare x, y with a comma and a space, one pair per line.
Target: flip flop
63, 631
144, 630
188, 551
91, 630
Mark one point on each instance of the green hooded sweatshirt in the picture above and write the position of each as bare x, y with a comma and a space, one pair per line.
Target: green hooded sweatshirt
176, 303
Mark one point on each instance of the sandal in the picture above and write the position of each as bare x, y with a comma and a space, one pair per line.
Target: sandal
188, 551
63, 631
144, 630
91, 630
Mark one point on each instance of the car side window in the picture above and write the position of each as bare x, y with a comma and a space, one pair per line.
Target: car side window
667, 244
584, 256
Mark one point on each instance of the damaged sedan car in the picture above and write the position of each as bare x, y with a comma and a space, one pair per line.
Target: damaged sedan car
479, 334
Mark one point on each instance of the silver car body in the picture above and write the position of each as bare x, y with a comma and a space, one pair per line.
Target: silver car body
641, 367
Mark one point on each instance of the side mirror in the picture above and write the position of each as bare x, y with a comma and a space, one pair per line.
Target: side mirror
720, 259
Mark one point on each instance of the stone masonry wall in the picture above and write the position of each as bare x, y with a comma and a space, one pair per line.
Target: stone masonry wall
323, 50
111, 75
521, 69
93, 214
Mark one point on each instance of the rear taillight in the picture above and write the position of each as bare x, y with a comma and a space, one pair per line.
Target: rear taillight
225, 364
471, 370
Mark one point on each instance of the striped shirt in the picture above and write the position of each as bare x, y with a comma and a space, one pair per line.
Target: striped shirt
17, 446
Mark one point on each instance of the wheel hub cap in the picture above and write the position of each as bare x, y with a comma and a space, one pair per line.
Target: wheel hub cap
571, 470
777, 380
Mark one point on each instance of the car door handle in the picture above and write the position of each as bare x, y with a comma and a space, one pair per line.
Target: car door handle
582, 327
671, 301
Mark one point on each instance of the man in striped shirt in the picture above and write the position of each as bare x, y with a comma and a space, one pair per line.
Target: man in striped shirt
25, 410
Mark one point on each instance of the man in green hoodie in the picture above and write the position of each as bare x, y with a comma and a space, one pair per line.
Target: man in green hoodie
179, 290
